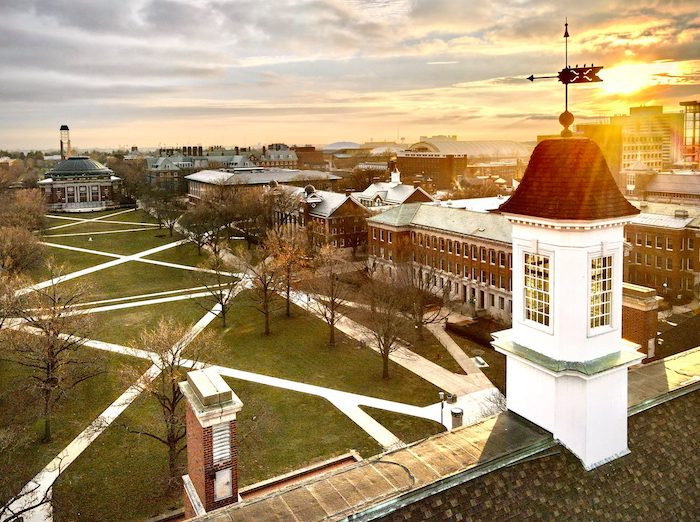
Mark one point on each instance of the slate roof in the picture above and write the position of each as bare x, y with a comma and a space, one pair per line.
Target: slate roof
659, 480
78, 166
675, 183
568, 179
445, 219
395, 193
259, 176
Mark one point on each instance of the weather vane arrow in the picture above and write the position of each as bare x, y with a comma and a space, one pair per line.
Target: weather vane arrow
570, 75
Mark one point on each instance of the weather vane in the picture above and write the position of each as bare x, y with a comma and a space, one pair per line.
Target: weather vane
569, 75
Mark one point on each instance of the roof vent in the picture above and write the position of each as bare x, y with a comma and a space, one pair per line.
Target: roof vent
643, 204
681, 213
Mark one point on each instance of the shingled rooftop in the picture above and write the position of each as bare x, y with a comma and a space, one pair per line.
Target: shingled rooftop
568, 178
505, 467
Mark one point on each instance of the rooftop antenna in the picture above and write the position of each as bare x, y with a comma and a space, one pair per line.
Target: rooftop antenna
570, 75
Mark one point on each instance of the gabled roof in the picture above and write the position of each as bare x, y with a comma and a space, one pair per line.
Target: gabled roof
675, 183
394, 193
323, 203
400, 216
568, 179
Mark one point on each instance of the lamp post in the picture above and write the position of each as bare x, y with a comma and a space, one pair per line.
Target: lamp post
442, 404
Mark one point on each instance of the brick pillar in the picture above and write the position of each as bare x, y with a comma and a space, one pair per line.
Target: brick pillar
640, 315
212, 451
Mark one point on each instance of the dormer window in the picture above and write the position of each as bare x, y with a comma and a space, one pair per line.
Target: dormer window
537, 288
601, 291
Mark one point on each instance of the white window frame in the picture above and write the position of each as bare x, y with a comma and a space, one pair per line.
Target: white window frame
549, 328
603, 328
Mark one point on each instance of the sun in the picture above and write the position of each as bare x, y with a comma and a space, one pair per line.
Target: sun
627, 78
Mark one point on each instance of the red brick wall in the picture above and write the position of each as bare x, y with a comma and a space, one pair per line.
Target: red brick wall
200, 466
639, 326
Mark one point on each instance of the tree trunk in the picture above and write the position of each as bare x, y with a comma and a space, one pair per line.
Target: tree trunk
266, 312
172, 462
47, 416
385, 366
289, 288
222, 314
331, 341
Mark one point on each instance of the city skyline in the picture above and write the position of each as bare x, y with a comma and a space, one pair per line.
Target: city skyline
157, 72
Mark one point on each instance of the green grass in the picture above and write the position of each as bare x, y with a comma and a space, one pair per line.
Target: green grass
184, 255
72, 261
128, 471
126, 244
56, 221
72, 415
496, 372
405, 427
124, 326
135, 278
298, 350
137, 216
95, 226
428, 347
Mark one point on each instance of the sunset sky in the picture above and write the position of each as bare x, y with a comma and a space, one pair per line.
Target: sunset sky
150, 72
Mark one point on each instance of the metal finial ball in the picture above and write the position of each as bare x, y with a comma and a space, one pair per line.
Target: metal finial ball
566, 119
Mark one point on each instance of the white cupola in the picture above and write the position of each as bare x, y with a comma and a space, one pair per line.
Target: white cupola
566, 359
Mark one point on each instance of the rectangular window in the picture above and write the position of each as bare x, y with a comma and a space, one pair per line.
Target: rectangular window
492, 257
457, 245
381, 235
391, 237
502, 259
483, 254
638, 238
659, 242
537, 297
669, 243
690, 243
649, 240
659, 260
601, 291
458, 268
449, 246
669, 263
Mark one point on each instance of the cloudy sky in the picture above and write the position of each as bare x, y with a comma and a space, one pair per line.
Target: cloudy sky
150, 72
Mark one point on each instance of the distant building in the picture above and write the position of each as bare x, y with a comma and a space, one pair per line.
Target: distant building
80, 184
308, 157
442, 159
691, 133
384, 195
199, 183
275, 155
652, 136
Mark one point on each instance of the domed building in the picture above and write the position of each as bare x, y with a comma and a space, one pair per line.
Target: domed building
80, 184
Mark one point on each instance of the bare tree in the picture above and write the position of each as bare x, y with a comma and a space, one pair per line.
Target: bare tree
166, 206
424, 301
328, 291
385, 304
55, 358
168, 343
289, 247
19, 250
198, 223
264, 274
23, 208
218, 283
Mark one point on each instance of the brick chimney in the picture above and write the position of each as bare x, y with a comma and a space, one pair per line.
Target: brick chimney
212, 454
640, 316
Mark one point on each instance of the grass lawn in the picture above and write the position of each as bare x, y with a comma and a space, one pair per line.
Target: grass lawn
95, 226
72, 261
428, 347
137, 216
405, 427
135, 278
496, 372
128, 470
72, 415
298, 350
126, 244
56, 221
183, 255
124, 326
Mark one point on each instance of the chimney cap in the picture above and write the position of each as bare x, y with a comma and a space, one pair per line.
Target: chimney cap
209, 387
64, 127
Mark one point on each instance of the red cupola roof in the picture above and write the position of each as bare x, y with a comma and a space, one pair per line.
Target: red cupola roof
568, 179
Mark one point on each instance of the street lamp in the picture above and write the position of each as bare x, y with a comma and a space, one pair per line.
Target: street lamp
442, 404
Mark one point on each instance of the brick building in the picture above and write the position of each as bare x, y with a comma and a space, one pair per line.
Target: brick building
665, 249
328, 217
80, 184
468, 252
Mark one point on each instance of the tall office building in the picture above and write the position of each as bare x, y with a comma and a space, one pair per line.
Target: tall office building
691, 128
652, 136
